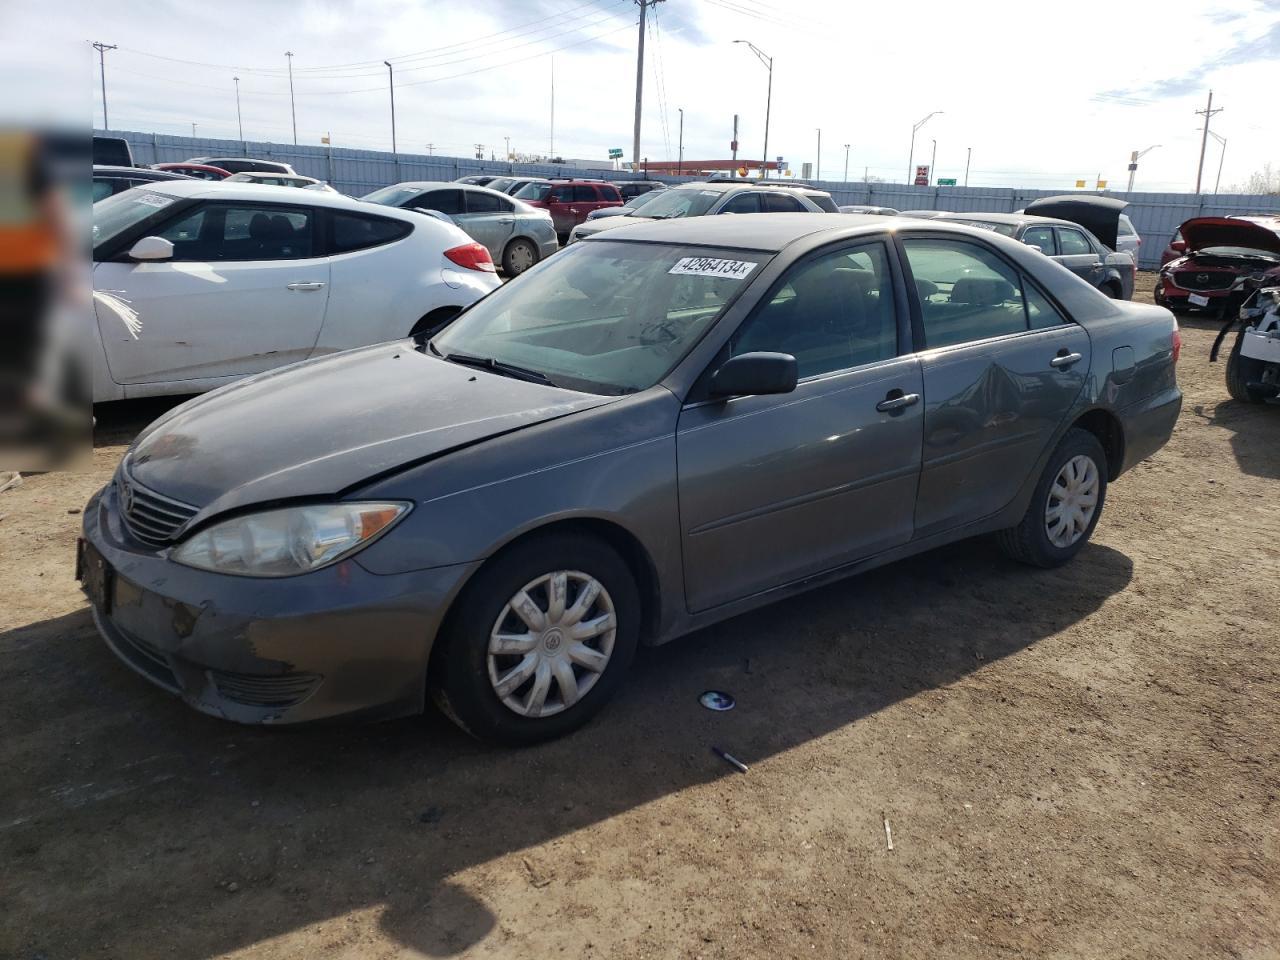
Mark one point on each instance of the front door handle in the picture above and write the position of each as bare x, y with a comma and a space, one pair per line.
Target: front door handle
1065, 359
506, 220
897, 400
1096, 266
306, 285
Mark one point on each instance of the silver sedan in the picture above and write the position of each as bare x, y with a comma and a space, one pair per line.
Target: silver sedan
516, 235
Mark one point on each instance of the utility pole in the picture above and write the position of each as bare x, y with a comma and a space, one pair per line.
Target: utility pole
911, 156
391, 85
102, 49
239, 121
933, 159
635, 139
817, 166
967, 157
846, 163
1222, 156
293, 112
479, 151
680, 154
768, 101
431, 149
552, 153
508, 139
734, 145
193, 129
1207, 113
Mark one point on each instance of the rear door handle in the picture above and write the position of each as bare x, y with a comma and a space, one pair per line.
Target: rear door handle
305, 285
897, 400
1066, 359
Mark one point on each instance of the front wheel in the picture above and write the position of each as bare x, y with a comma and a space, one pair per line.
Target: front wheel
539, 640
1066, 504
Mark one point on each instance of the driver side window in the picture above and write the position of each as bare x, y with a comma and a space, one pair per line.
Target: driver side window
832, 312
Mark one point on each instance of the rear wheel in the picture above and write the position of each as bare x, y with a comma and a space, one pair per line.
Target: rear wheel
539, 640
1241, 371
1066, 504
519, 256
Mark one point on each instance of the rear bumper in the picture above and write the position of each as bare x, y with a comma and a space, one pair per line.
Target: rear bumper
1148, 425
340, 642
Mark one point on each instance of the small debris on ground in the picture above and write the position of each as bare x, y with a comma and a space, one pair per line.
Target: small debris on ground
9, 480
535, 878
888, 834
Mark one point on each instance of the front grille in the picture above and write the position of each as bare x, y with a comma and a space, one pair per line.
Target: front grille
149, 517
1203, 280
283, 690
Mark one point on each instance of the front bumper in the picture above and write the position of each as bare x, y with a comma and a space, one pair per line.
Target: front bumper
339, 642
1169, 294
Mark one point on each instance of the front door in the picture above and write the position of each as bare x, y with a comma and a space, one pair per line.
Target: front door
489, 221
1002, 368
564, 209
777, 488
245, 291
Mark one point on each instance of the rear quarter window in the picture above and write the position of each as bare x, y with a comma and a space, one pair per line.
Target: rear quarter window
358, 231
826, 203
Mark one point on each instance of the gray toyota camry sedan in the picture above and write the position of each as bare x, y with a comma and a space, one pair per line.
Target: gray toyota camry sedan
656, 429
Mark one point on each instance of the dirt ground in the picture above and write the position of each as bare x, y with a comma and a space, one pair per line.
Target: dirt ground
1076, 763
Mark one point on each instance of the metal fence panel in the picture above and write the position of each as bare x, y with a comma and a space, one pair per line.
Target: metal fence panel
356, 172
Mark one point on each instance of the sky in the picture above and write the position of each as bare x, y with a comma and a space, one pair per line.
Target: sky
1042, 94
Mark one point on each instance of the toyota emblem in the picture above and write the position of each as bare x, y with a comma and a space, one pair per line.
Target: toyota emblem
126, 497
1202, 278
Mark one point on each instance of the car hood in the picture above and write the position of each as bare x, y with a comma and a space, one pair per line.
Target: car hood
1201, 232
322, 428
1099, 215
609, 223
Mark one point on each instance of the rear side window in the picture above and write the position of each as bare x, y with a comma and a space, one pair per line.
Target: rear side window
966, 292
479, 202
1039, 237
585, 194
1126, 227
609, 193
824, 202
780, 203
743, 203
359, 231
1073, 242
561, 195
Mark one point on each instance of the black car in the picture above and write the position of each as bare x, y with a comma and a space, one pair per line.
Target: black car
634, 188
108, 181
245, 165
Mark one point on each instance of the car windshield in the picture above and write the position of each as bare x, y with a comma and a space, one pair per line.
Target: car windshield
501, 184
392, 196
1005, 229
114, 215
681, 202
603, 317
533, 191
642, 200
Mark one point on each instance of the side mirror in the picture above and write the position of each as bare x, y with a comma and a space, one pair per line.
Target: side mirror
151, 248
755, 374
1179, 245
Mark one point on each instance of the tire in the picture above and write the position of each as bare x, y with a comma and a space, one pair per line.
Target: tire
1241, 371
464, 677
1030, 541
519, 255
1111, 290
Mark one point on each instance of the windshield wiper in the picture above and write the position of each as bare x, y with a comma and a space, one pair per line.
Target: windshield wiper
497, 366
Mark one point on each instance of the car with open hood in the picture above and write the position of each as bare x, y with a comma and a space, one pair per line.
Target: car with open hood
654, 430
1218, 251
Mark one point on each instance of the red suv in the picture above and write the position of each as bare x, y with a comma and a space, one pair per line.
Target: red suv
570, 200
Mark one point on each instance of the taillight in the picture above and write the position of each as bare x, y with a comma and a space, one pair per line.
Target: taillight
472, 256
1177, 344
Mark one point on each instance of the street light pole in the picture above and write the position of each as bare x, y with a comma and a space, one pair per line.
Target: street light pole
680, 154
391, 85
293, 111
911, 157
768, 102
817, 166
239, 121
846, 163
1133, 163
1222, 156
933, 159
193, 129
967, 157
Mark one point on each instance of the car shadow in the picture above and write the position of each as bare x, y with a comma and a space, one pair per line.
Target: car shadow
1251, 431
253, 833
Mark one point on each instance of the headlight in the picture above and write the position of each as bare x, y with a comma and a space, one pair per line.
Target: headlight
287, 542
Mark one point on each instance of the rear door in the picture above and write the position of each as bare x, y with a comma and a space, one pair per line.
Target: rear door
1002, 368
245, 291
1076, 253
489, 220
777, 488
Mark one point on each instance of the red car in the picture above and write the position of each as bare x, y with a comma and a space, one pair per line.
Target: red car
201, 171
570, 200
1216, 252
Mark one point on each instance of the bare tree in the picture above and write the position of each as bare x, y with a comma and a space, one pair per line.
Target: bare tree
1264, 181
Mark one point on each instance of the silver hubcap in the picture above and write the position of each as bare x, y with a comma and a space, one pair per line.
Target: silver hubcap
1073, 497
551, 643
520, 258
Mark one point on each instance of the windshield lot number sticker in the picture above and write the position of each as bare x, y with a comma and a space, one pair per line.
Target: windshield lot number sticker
711, 267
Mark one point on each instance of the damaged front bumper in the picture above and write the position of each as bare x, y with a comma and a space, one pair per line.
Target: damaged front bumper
337, 642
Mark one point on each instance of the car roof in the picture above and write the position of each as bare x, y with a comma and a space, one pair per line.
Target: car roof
190, 188
140, 173
1012, 219
768, 232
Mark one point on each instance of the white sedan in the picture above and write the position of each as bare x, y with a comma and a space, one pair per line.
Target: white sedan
197, 284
